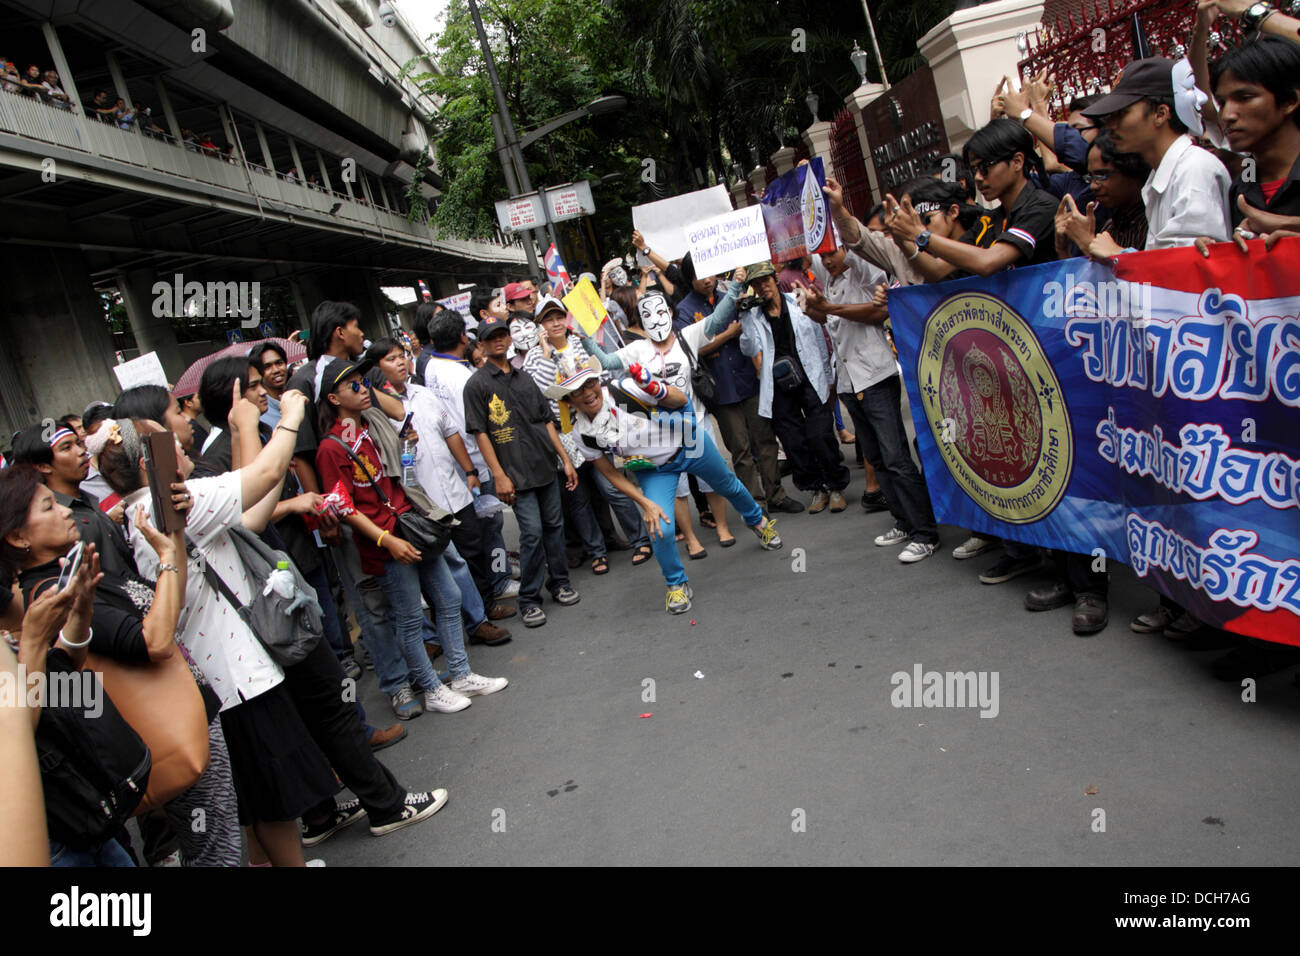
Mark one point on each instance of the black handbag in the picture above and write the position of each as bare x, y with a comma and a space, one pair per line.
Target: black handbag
428, 536
703, 383
785, 373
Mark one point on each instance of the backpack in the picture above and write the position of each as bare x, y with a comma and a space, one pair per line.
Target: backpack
94, 769
288, 628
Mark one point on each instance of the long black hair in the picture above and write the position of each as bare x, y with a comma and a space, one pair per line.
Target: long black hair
1002, 139
1130, 164
18, 486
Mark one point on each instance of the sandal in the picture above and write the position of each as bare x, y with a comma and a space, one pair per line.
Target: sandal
707, 519
728, 542
600, 565
697, 555
643, 554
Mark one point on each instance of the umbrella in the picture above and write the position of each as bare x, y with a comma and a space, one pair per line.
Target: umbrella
188, 383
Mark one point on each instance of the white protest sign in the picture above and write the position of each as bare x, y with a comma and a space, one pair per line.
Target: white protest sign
662, 224
728, 241
457, 303
145, 370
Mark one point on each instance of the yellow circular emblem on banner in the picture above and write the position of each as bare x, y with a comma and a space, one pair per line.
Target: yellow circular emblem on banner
995, 407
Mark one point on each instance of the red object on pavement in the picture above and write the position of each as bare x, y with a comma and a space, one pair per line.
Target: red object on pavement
188, 383
647, 715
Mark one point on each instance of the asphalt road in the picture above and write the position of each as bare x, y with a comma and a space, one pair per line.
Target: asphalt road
789, 750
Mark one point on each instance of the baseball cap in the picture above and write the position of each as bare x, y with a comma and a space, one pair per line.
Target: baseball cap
492, 324
759, 270
339, 369
571, 384
1153, 76
548, 303
516, 290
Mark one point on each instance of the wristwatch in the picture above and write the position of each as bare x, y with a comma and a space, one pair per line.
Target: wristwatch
923, 240
471, 472
1256, 13
1027, 112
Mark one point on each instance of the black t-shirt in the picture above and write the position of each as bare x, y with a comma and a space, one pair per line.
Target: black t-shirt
512, 411
783, 336
97, 528
1285, 202
1030, 226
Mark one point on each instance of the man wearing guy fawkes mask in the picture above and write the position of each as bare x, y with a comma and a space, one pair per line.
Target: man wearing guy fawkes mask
794, 382
670, 357
523, 333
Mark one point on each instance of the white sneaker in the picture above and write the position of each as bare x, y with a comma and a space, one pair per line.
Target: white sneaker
512, 590
916, 551
972, 547
315, 862
891, 537
476, 685
444, 700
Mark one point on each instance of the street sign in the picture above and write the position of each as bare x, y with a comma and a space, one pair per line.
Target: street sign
520, 213
570, 201
234, 335
266, 330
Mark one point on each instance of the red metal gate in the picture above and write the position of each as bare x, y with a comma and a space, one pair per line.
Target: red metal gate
850, 168
1084, 49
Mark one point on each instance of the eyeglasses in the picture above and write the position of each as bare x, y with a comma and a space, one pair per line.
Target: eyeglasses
358, 386
1100, 176
589, 385
980, 168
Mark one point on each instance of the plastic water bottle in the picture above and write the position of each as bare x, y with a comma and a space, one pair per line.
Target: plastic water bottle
280, 581
408, 465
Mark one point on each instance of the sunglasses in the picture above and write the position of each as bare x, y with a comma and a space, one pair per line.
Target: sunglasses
1100, 176
358, 386
981, 168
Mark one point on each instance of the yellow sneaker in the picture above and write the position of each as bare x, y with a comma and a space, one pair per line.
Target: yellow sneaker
678, 600
768, 539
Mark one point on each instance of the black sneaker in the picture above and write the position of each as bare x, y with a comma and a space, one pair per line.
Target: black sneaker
345, 814
416, 807
787, 505
1009, 567
874, 501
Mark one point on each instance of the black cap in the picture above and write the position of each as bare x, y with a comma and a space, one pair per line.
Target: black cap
489, 325
1153, 76
340, 368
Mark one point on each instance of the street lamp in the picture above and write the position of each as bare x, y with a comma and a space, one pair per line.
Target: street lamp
859, 59
813, 102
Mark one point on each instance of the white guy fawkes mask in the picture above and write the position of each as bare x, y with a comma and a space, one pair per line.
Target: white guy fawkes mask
656, 317
524, 334
618, 276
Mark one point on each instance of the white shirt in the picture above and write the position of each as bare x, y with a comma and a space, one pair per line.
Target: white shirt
220, 643
1186, 196
435, 467
446, 380
672, 366
864, 355
636, 436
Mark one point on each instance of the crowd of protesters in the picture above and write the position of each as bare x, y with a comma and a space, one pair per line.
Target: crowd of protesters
377, 474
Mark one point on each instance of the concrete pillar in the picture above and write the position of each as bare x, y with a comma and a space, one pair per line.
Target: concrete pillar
818, 139
297, 161
119, 81
758, 179
857, 101
58, 353
169, 114
739, 194
227, 122
324, 171
267, 161
153, 333
783, 160
61, 65
970, 52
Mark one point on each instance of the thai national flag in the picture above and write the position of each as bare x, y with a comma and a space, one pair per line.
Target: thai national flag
556, 271
425, 294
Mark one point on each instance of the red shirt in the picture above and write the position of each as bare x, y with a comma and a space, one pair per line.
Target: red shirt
1270, 189
334, 465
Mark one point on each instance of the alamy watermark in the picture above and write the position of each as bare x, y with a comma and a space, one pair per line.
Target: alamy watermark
213, 300
76, 690
946, 689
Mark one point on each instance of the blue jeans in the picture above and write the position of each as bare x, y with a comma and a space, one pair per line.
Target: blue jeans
403, 584
660, 486
494, 544
341, 646
108, 853
541, 543
471, 602
579, 510
625, 509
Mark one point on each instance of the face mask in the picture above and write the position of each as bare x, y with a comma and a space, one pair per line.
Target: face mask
618, 276
656, 319
523, 334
